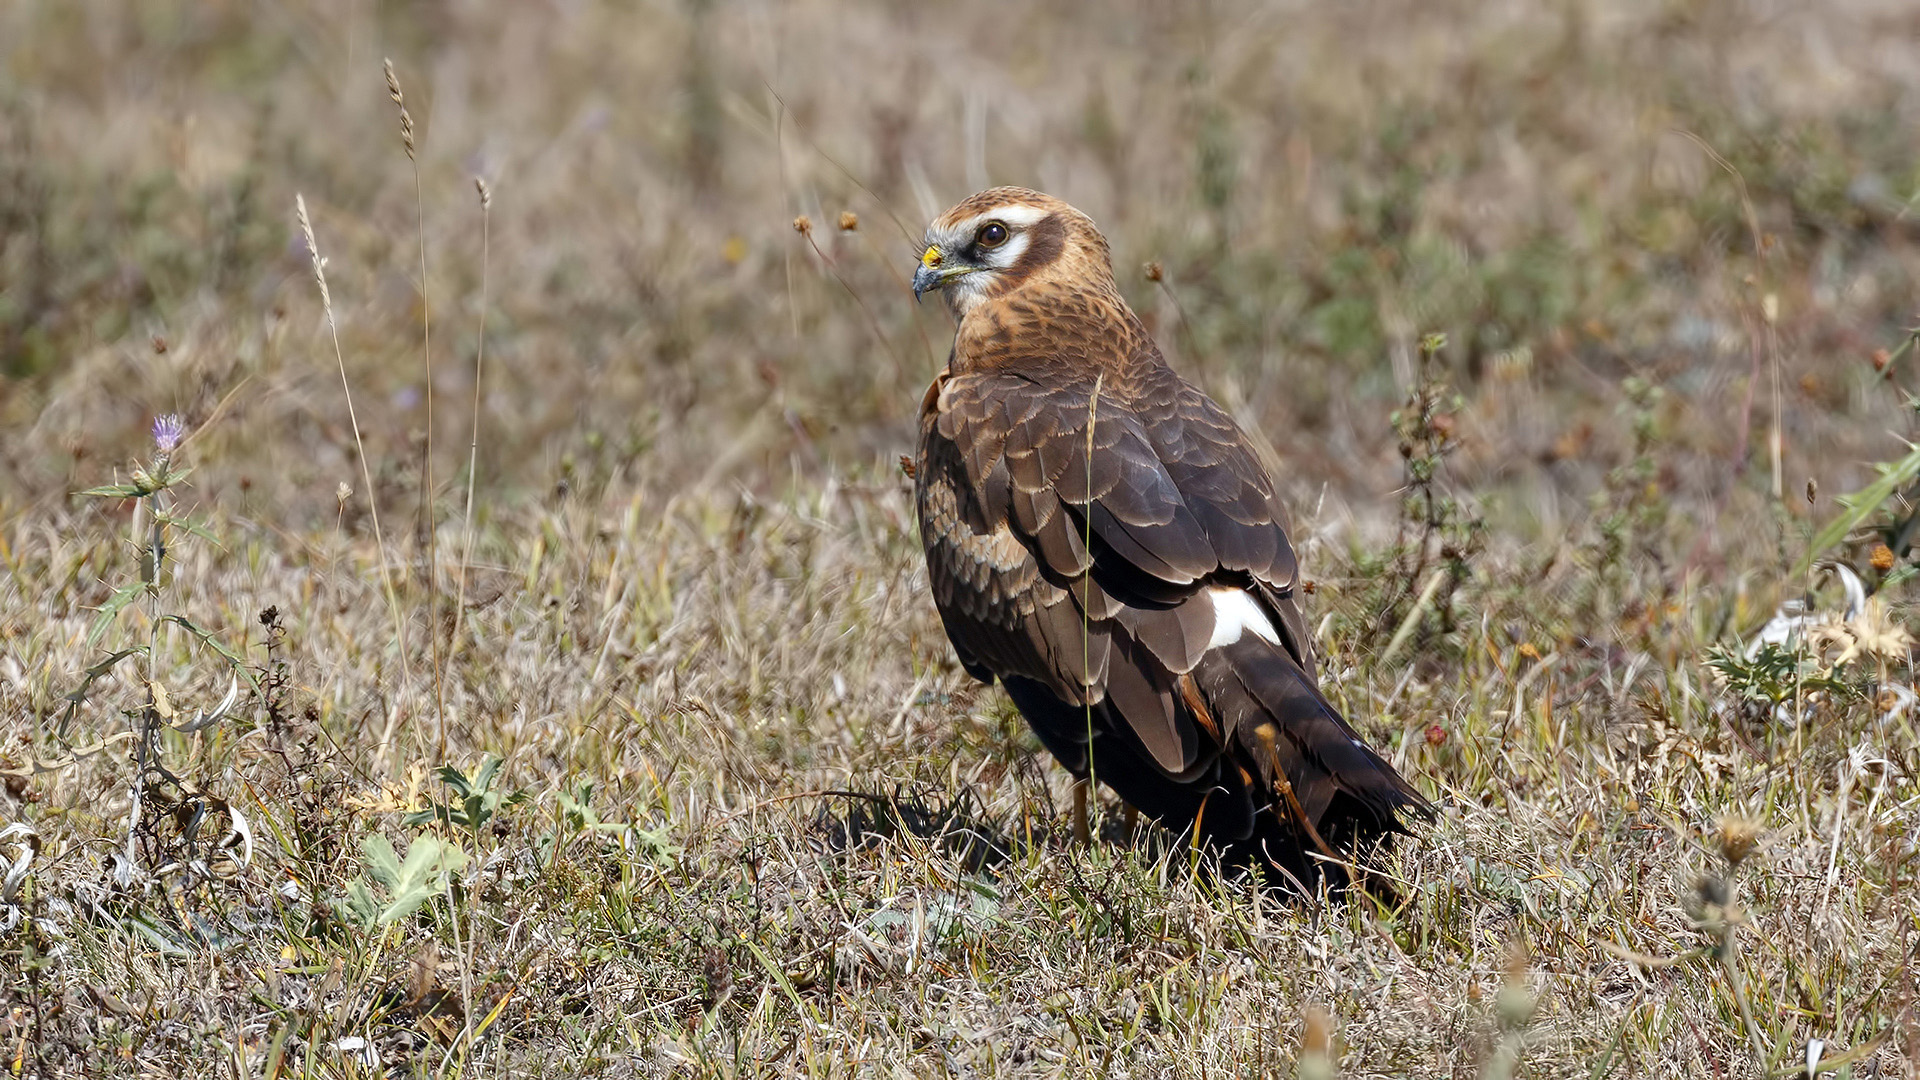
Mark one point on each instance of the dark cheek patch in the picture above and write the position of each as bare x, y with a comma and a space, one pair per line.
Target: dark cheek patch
1046, 240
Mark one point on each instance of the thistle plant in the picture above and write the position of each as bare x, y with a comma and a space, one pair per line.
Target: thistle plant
155, 520
1440, 533
1713, 907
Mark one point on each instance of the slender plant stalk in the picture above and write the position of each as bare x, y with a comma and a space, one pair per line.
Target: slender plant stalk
804, 226
150, 711
933, 358
466, 557
360, 450
473, 444
426, 454
1729, 956
1086, 625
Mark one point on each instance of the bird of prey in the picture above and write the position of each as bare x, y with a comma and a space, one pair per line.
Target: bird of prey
1104, 539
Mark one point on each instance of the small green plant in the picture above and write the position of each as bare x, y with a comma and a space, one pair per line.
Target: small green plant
1774, 674
574, 817
1630, 506
474, 802
1627, 517
395, 887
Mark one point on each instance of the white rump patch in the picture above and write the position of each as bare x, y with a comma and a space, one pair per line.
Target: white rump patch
1235, 611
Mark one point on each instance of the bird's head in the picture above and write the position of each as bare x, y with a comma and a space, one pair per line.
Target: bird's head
1002, 238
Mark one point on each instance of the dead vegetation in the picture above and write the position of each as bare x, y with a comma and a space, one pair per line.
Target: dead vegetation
649, 756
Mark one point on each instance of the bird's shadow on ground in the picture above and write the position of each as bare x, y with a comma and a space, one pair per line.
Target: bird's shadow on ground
959, 825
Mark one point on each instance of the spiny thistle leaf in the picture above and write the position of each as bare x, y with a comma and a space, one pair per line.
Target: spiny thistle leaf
234, 659
118, 491
124, 595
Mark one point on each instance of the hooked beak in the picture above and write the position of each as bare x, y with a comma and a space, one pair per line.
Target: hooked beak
935, 271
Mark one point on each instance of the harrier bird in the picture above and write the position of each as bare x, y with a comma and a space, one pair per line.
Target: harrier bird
1103, 539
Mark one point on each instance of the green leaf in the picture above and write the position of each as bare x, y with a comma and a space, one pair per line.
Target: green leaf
100, 669
490, 768
658, 841
475, 801
78, 695
423, 858
382, 863
405, 902
422, 877
162, 938
456, 780
361, 904
118, 491
190, 526
233, 659
1859, 506
408, 884
780, 979
124, 595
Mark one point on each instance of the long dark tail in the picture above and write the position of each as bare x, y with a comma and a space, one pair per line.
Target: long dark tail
1328, 796
1286, 787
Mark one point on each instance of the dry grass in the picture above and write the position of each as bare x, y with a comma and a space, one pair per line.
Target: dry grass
749, 818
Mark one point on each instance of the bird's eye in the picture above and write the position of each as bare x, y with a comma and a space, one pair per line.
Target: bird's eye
992, 235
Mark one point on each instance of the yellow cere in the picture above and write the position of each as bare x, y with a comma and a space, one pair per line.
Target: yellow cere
932, 258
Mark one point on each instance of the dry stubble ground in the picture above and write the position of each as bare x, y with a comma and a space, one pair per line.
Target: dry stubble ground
749, 818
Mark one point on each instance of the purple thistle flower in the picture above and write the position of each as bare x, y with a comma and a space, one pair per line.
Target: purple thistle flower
167, 431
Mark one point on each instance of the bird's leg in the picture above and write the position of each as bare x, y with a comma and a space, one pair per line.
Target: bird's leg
1081, 834
1131, 818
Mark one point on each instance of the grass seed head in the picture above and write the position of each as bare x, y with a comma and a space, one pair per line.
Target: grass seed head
313, 252
400, 102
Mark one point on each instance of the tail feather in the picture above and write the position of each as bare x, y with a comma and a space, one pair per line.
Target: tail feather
1279, 781
1254, 683
1332, 793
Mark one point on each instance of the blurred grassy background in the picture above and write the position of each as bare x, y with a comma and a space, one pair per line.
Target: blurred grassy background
1662, 239
1715, 196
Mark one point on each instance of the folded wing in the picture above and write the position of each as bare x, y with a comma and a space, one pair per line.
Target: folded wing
1117, 558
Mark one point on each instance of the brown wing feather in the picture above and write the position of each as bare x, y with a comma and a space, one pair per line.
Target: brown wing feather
1012, 541
1004, 617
